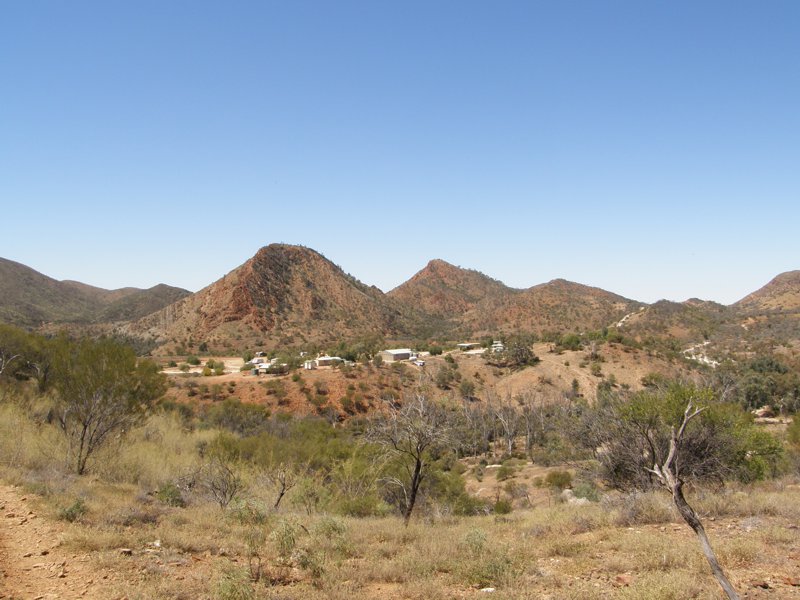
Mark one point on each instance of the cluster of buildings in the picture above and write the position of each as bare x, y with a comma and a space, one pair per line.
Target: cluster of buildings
326, 361
261, 364
476, 348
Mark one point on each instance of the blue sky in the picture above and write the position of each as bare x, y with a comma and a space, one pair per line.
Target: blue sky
648, 148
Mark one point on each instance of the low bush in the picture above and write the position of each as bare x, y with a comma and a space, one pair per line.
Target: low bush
558, 479
74, 512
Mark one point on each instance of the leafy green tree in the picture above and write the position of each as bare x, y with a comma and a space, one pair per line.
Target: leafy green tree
102, 390
444, 377
14, 349
466, 388
410, 434
570, 341
722, 443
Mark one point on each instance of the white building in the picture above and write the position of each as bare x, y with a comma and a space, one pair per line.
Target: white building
396, 354
328, 361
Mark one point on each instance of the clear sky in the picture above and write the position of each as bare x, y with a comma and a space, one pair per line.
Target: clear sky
648, 148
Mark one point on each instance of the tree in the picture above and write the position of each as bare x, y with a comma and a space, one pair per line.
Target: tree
669, 475
533, 421
634, 433
517, 354
102, 390
507, 418
14, 344
221, 479
410, 433
284, 477
466, 388
661, 439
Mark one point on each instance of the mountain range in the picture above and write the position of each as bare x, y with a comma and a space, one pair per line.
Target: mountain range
30, 299
291, 296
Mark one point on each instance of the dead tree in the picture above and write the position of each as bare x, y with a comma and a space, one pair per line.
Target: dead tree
284, 478
222, 481
668, 475
506, 417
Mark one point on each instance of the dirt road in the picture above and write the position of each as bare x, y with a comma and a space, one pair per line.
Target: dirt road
32, 563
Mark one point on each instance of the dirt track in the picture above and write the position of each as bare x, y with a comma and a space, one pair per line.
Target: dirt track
32, 563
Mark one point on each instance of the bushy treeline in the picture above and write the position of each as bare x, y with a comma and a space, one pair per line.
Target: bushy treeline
97, 394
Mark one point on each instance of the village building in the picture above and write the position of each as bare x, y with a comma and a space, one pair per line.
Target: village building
396, 354
328, 361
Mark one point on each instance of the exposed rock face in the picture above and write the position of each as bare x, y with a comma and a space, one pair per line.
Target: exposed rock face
284, 294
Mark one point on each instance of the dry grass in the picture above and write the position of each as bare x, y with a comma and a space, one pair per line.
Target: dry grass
622, 547
562, 551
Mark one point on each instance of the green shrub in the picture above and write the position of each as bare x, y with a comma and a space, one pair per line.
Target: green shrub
234, 584
584, 489
249, 513
284, 537
793, 431
192, 360
558, 479
504, 472
502, 507
74, 512
170, 494
475, 542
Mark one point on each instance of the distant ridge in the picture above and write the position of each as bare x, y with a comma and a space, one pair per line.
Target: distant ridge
473, 301
30, 299
782, 293
287, 295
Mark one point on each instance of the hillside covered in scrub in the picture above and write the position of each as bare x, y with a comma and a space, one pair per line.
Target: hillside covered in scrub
153, 487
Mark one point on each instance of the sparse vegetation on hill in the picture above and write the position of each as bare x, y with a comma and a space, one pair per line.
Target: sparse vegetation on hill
292, 297
256, 500
30, 299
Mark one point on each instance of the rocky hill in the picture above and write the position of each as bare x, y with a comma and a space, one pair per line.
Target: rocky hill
30, 299
284, 295
449, 292
561, 305
293, 296
780, 294
690, 321
470, 301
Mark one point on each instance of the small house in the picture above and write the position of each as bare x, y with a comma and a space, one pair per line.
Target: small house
328, 361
